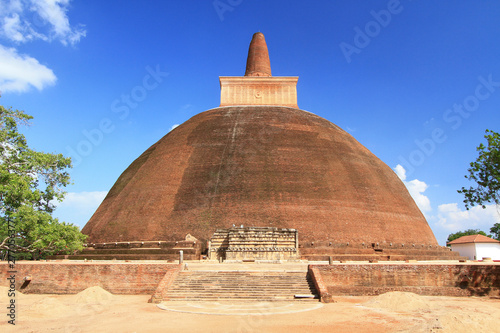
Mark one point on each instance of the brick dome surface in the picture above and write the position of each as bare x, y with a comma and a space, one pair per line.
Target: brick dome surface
259, 166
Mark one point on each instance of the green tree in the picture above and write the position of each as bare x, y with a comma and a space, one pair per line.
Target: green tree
485, 171
30, 183
495, 231
467, 232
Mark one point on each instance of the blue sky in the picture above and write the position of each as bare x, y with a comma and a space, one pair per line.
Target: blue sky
416, 82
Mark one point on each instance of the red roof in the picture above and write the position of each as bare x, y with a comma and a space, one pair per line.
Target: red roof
473, 239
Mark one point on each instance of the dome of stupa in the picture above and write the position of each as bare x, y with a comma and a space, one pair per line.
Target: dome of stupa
258, 160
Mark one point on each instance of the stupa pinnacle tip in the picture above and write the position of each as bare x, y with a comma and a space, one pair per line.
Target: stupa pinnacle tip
258, 63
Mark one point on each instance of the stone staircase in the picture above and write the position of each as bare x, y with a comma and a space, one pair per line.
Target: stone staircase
240, 285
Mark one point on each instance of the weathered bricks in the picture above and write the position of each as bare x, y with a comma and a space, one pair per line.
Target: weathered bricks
424, 279
71, 278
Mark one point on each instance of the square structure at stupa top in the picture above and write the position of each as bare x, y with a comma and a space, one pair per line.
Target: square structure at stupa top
258, 86
256, 90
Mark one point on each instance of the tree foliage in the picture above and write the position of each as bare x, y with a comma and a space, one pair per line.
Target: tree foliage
30, 182
467, 232
495, 231
485, 171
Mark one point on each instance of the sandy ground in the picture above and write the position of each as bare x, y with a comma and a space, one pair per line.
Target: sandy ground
95, 310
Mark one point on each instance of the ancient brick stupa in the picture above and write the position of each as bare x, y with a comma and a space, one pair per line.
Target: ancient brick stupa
257, 160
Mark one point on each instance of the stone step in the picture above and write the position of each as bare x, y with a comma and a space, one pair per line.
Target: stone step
233, 289
238, 294
231, 284
239, 288
249, 278
236, 285
256, 273
249, 298
241, 282
239, 285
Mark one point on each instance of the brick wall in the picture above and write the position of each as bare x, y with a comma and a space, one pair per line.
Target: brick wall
423, 279
71, 278
338, 279
162, 288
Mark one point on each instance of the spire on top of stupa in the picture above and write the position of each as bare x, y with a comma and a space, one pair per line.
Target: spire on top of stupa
258, 86
258, 63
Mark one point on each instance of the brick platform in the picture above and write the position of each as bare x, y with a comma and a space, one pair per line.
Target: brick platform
421, 278
439, 279
366, 251
150, 250
73, 277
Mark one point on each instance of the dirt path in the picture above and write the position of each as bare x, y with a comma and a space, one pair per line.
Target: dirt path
97, 311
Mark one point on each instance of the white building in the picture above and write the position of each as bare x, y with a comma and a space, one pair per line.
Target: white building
476, 247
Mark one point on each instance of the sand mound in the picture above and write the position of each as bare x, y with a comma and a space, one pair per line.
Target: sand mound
48, 307
465, 322
93, 295
399, 301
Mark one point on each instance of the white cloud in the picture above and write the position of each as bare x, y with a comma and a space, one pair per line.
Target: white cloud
78, 207
83, 200
449, 217
452, 218
54, 13
173, 126
10, 6
400, 171
416, 189
11, 28
20, 72
23, 21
